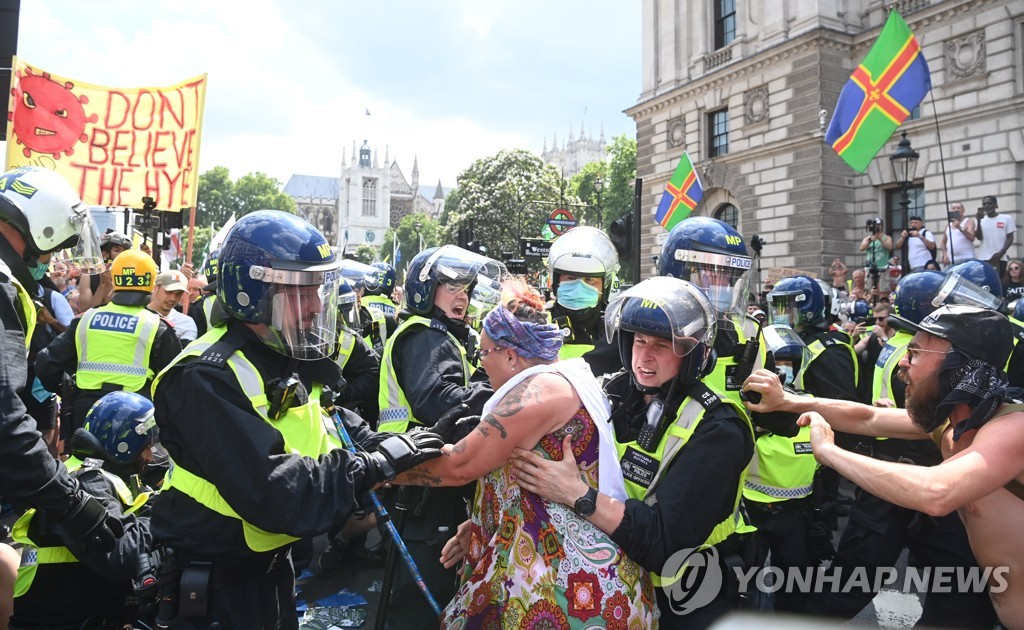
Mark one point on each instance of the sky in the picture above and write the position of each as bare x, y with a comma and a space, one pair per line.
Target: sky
446, 81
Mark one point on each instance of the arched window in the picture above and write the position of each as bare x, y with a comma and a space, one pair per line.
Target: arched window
728, 213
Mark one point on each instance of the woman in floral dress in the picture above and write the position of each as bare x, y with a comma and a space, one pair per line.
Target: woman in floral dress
531, 563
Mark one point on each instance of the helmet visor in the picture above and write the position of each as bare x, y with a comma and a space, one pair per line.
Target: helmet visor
147, 426
959, 290
454, 265
348, 312
303, 311
724, 279
663, 307
85, 255
785, 344
783, 309
361, 275
486, 295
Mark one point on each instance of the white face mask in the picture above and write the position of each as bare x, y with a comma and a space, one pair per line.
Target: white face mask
786, 372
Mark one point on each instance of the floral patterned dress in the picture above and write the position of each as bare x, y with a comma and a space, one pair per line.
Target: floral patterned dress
535, 564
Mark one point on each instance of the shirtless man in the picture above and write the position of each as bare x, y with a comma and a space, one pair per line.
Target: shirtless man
955, 395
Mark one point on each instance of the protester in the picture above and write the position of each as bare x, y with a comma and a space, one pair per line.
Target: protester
957, 240
515, 540
168, 291
837, 270
920, 244
996, 233
1013, 281
957, 395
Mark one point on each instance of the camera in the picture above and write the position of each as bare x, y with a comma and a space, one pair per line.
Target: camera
873, 226
756, 243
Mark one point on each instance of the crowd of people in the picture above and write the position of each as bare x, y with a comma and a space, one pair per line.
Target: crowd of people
174, 440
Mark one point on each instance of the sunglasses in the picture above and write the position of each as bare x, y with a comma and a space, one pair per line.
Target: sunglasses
913, 353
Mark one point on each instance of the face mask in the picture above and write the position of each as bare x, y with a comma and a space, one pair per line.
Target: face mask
38, 269
577, 295
786, 372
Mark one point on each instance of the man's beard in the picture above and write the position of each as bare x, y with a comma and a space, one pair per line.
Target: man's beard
923, 403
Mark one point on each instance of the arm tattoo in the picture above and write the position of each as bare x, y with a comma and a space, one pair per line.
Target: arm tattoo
459, 448
526, 393
419, 478
491, 420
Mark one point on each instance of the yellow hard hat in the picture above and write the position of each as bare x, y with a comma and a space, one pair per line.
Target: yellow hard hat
133, 270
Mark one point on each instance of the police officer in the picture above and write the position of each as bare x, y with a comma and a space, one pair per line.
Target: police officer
582, 264
360, 365
777, 492
1015, 364
115, 445
379, 296
711, 254
878, 531
253, 460
365, 279
425, 373
119, 346
202, 310
39, 213
683, 448
96, 289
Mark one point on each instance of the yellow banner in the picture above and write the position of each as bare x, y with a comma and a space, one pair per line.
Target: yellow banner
114, 145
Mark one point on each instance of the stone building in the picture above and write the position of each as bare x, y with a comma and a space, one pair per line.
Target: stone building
359, 206
748, 89
570, 156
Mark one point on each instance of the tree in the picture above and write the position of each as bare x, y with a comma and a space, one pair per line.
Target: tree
365, 254
202, 235
582, 185
503, 198
219, 197
617, 198
411, 229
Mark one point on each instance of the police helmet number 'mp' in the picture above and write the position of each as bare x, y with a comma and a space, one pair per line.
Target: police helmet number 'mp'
129, 278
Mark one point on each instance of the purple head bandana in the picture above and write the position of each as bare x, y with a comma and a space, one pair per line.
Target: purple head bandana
541, 341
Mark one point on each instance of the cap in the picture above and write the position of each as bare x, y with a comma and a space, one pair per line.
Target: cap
172, 281
979, 332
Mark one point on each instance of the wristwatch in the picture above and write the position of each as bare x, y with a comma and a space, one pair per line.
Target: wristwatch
587, 504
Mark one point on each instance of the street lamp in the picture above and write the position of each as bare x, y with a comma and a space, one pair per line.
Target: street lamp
904, 165
419, 233
598, 187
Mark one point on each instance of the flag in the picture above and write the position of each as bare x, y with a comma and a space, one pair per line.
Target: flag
682, 194
892, 80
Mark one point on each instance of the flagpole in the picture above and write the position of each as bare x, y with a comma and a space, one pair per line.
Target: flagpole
191, 233
945, 189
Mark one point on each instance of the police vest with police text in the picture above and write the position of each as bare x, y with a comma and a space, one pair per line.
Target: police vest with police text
114, 343
380, 303
642, 470
33, 556
306, 431
782, 468
723, 377
395, 411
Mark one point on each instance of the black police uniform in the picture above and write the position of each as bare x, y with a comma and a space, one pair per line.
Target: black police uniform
61, 357
362, 381
209, 428
696, 492
99, 590
429, 369
587, 328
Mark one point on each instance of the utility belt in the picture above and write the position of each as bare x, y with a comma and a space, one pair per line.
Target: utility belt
900, 451
768, 509
185, 583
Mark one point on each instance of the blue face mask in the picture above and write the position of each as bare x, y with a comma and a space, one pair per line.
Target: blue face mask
38, 269
786, 372
577, 295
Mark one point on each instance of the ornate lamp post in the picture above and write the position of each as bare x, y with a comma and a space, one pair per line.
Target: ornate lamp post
904, 166
598, 187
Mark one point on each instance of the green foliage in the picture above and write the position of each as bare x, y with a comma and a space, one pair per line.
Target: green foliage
202, 241
411, 229
503, 198
219, 196
365, 254
582, 185
617, 198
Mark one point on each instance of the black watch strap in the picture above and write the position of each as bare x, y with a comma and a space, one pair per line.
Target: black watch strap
587, 504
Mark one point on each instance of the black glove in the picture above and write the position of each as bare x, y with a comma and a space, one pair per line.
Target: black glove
89, 525
819, 541
453, 430
399, 453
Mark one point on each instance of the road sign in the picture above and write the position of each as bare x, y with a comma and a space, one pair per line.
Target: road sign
561, 220
534, 248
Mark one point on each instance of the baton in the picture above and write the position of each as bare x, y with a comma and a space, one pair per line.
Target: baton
385, 518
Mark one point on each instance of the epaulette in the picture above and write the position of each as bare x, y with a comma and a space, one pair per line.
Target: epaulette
220, 351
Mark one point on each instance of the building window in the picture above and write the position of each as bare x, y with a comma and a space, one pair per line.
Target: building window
728, 214
725, 22
370, 197
895, 220
718, 133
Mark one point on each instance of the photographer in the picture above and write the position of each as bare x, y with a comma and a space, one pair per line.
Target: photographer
876, 245
920, 249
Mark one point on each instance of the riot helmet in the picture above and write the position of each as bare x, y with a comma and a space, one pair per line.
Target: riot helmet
133, 273
1018, 310
111, 239
797, 302
710, 254
365, 279
670, 309
118, 428
279, 275
387, 280
921, 292
211, 265
981, 274
43, 208
582, 252
455, 268
787, 349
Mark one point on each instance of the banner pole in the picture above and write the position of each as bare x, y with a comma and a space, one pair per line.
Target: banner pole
191, 233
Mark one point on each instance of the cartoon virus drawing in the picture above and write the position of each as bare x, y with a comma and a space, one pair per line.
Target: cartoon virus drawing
48, 117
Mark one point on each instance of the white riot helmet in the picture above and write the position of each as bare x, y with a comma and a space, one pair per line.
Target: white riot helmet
44, 209
584, 252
